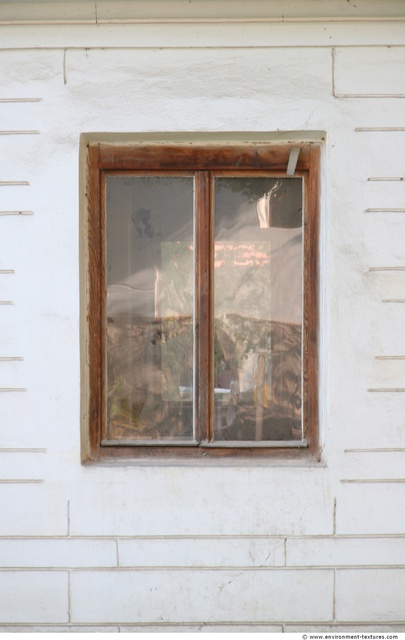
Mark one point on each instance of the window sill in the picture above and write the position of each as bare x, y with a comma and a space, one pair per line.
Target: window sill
230, 444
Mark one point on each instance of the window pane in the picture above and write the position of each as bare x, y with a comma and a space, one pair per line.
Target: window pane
258, 298
150, 291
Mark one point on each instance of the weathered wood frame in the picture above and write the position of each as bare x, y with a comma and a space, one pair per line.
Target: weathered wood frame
203, 161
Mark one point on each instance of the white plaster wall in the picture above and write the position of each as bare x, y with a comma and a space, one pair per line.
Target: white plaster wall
159, 547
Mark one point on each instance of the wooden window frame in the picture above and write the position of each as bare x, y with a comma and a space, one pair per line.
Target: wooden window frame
104, 158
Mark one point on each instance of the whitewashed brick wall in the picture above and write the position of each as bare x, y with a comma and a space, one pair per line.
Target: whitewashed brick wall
157, 547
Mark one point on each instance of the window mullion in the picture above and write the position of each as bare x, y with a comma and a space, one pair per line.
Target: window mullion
204, 312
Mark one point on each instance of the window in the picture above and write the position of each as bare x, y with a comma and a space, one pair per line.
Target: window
201, 287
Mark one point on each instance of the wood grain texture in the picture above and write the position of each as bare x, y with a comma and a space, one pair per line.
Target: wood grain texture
204, 302
172, 158
94, 273
203, 162
311, 301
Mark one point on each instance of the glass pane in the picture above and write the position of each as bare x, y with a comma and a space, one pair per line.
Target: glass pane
150, 290
258, 297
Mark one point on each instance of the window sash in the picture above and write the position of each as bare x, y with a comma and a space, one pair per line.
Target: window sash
208, 164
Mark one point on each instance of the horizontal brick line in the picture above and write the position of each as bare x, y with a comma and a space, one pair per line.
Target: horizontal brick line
16, 213
327, 536
279, 538
387, 390
400, 300
397, 179
4, 272
339, 623
246, 19
10, 358
14, 183
297, 567
113, 538
273, 623
374, 481
21, 450
23, 481
345, 567
387, 268
378, 129
219, 47
2, 100
151, 538
220, 21
376, 450
368, 95
18, 133
115, 569
198, 625
6, 302
353, 623
390, 357
11, 389
389, 210
54, 568
52, 625
33, 569
344, 623
349, 536
61, 538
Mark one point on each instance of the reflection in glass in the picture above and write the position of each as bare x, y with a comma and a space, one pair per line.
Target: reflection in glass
258, 293
150, 289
